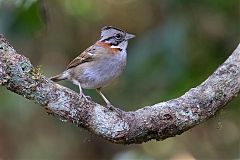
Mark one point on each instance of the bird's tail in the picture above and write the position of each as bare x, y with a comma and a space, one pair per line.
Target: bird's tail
60, 77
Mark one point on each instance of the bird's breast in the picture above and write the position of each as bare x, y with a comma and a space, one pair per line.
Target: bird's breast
101, 72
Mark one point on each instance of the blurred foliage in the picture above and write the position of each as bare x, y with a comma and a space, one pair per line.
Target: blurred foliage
178, 45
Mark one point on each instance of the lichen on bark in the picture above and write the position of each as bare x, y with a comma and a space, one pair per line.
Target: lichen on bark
159, 121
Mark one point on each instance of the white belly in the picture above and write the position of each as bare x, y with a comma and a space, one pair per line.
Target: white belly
94, 75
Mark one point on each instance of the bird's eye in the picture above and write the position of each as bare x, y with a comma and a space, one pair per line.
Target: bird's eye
118, 36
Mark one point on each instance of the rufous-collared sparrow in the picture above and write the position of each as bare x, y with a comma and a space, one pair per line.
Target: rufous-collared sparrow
99, 64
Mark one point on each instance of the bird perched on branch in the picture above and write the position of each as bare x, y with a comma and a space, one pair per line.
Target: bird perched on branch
99, 64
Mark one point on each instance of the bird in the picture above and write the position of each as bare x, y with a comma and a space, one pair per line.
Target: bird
99, 64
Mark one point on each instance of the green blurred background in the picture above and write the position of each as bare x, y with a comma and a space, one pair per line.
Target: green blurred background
178, 45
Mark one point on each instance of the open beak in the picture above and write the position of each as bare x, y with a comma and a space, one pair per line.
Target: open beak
129, 36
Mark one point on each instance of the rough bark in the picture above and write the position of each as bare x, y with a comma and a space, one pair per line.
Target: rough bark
159, 121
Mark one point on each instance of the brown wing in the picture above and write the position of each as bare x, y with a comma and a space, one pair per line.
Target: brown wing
86, 56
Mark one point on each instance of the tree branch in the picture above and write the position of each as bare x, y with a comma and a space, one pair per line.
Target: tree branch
159, 121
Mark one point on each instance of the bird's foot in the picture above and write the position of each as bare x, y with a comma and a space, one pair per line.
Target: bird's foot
88, 97
110, 106
114, 109
85, 97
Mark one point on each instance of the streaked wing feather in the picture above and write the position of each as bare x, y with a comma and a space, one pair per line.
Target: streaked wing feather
84, 57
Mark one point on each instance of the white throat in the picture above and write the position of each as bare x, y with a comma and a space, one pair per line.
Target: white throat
122, 46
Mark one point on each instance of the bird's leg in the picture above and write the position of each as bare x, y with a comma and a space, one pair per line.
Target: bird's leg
109, 105
80, 90
104, 98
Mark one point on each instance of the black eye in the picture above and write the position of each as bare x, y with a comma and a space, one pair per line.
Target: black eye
118, 36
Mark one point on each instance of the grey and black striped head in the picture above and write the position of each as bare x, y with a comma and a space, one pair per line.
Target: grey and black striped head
114, 36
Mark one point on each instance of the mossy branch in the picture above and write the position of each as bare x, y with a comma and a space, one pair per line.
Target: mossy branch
159, 121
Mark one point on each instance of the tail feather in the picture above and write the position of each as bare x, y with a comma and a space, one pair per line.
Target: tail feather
60, 77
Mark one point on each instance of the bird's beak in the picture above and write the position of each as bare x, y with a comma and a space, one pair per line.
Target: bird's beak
129, 36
